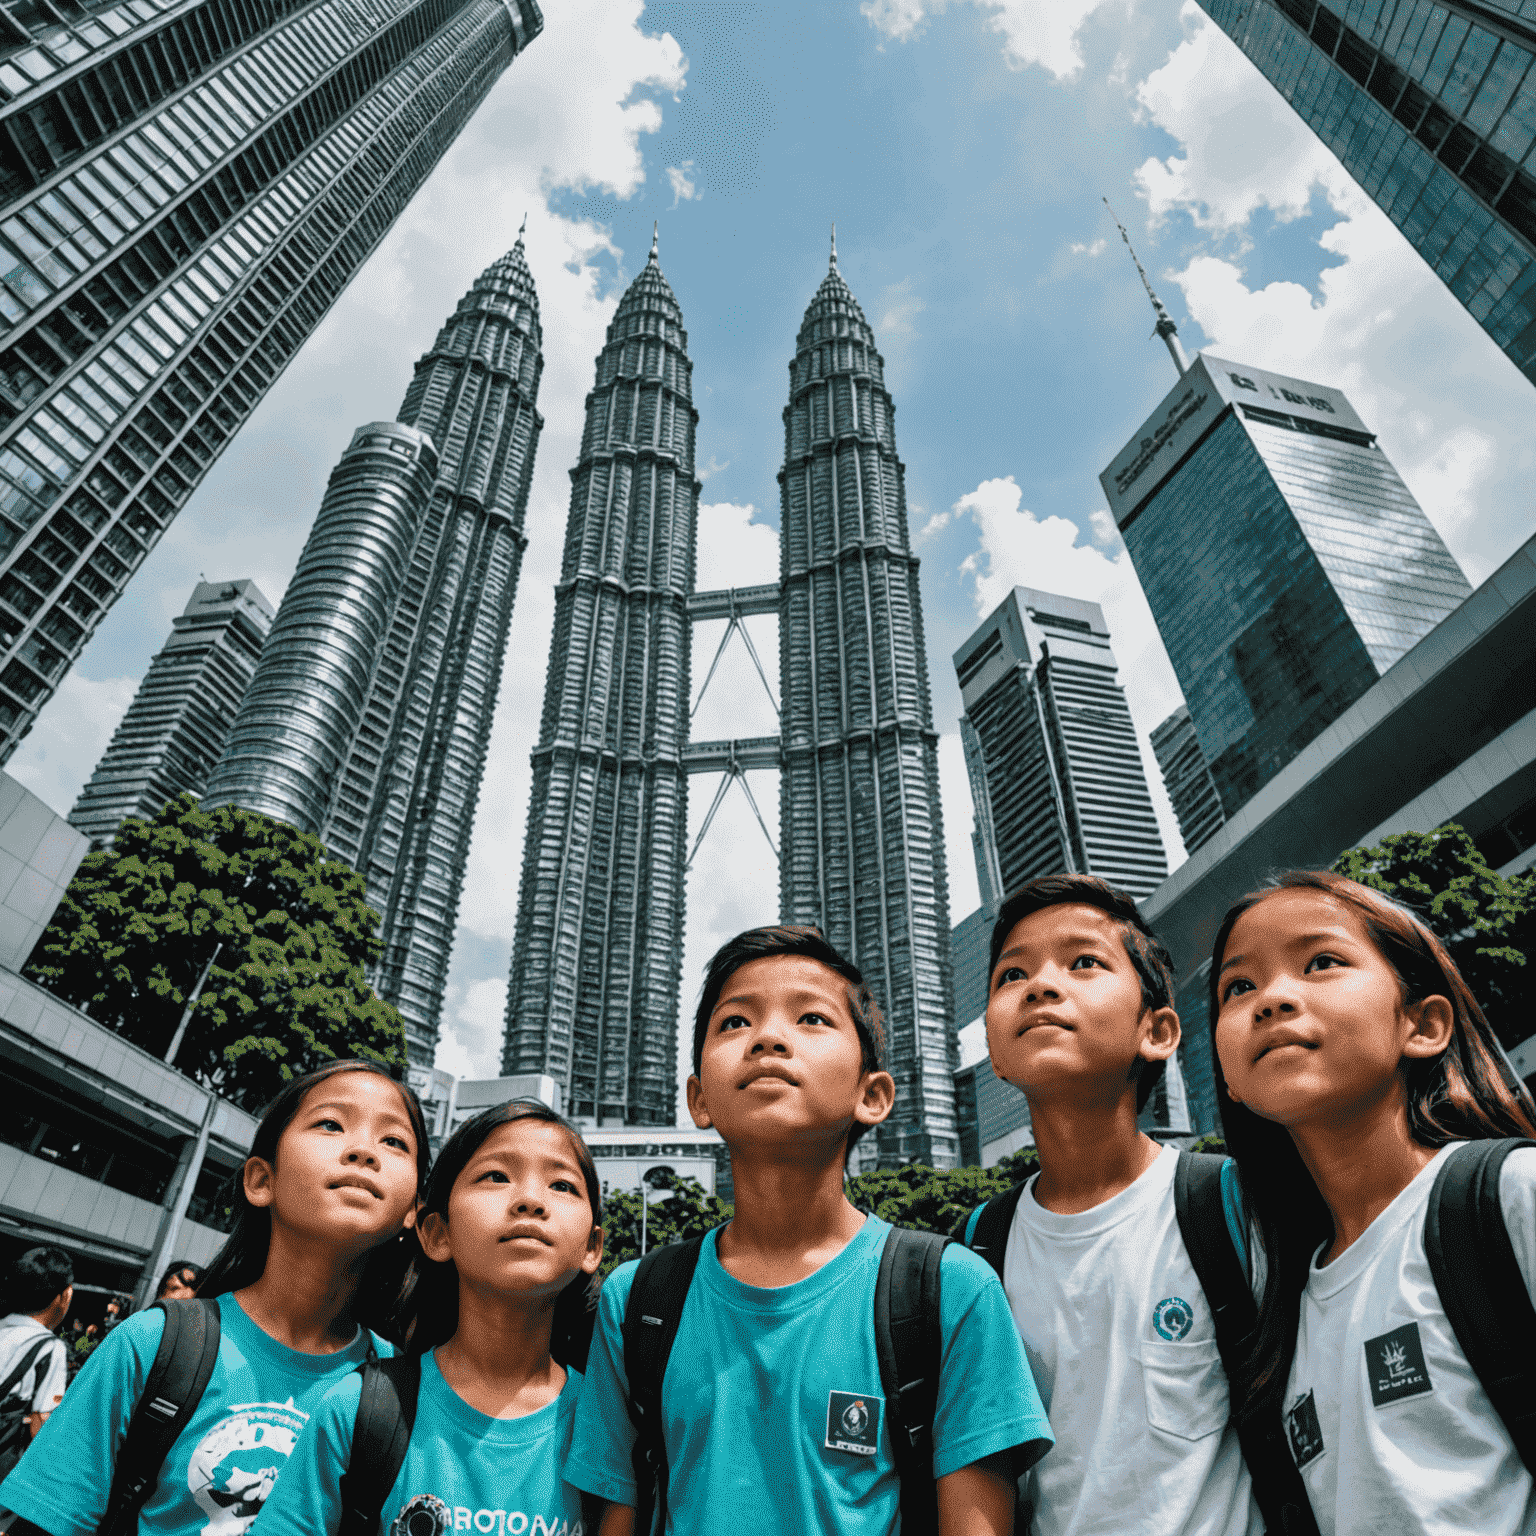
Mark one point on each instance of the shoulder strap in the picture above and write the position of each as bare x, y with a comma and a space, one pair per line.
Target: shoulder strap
189, 1347
987, 1230
909, 1343
28, 1359
1481, 1287
657, 1296
386, 1414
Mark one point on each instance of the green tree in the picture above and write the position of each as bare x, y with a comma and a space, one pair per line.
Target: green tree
689, 1212
1486, 921
286, 992
936, 1199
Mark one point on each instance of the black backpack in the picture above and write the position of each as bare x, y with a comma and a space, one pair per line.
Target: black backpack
908, 1344
386, 1414
14, 1433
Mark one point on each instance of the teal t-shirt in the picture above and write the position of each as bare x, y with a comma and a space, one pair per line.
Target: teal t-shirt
772, 1409
463, 1471
224, 1463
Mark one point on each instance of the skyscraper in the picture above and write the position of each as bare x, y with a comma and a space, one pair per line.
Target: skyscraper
597, 957
1286, 563
989, 878
1431, 107
1187, 779
861, 851
1063, 774
186, 193
175, 729
369, 715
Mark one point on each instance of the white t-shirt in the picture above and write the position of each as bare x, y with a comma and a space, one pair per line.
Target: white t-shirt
1123, 1350
1391, 1428
42, 1385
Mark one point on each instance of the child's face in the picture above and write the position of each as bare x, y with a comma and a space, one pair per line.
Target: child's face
1311, 1019
345, 1168
1065, 1014
519, 1221
782, 1062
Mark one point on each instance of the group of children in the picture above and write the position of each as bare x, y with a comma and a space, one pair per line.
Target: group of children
1135, 1340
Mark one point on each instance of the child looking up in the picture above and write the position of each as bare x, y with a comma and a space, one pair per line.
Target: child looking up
314, 1259
1355, 1066
771, 1410
1116, 1326
510, 1244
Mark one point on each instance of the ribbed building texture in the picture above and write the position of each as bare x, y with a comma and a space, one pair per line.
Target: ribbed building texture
368, 719
175, 729
1284, 560
596, 961
186, 192
1187, 779
861, 851
989, 877
1064, 779
1431, 107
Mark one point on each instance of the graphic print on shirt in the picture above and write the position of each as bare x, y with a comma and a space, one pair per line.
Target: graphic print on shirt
853, 1422
428, 1515
1173, 1317
1303, 1430
236, 1464
1394, 1362
425, 1515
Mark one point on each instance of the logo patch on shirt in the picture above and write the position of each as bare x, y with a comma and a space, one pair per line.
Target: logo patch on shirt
1173, 1317
853, 1422
1303, 1430
1395, 1364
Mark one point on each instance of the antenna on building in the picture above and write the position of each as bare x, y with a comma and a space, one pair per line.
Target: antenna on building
834, 245
655, 237
1165, 326
522, 229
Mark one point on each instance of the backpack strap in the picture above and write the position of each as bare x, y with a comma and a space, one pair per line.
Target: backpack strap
1207, 1203
386, 1414
28, 1360
657, 1296
1481, 1287
909, 1343
986, 1230
189, 1348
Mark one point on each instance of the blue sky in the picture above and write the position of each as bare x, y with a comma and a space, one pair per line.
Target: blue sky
962, 149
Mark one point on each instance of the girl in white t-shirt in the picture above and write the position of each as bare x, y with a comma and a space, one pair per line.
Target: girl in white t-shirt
1353, 1061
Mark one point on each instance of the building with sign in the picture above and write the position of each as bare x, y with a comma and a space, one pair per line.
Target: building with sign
186, 189
1187, 779
1285, 562
1063, 778
175, 729
1431, 107
369, 715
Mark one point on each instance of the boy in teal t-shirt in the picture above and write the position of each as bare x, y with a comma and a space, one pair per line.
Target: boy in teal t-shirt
256, 1406
772, 1409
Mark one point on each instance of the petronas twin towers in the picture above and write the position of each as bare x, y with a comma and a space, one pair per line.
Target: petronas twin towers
368, 718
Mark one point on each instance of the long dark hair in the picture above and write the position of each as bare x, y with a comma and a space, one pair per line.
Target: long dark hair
427, 1311
1466, 1093
243, 1257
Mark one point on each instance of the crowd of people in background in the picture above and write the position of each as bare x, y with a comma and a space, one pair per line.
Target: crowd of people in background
1313, 1334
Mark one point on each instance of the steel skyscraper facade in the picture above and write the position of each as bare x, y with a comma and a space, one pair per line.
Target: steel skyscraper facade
1431, 107
368, 719
1188, 780
175, 729
186, 194
597, 957
1063, 781
861, 851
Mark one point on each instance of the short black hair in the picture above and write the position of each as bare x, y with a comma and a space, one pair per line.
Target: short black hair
1148, 954
179, 1271
38, 1276
811, 944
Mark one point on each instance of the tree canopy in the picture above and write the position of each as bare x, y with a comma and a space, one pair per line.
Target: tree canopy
287, 991
1486, 921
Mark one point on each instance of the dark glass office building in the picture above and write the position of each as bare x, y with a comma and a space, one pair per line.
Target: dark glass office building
1187, 779
1063, 781
186, 190
1431, 106
1286, 563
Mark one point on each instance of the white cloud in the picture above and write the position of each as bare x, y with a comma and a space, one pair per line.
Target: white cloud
735, 551
710, 470
938, 521
902, 307
61, 751
684, 188
959, 816
1015, 548
473, 1016
1042, 32
1104, 531
1079, 249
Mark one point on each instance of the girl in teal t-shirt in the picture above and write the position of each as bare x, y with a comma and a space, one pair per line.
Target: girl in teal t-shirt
314, 1259
504, 1289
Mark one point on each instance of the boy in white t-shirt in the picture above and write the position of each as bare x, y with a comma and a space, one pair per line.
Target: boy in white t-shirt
1114, 1321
